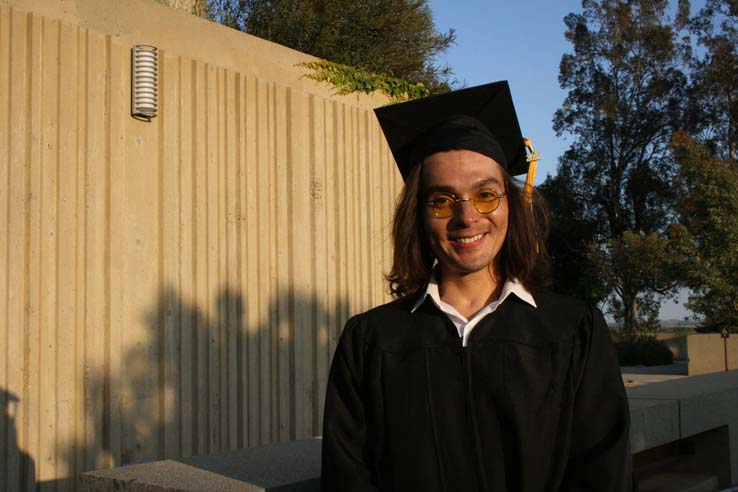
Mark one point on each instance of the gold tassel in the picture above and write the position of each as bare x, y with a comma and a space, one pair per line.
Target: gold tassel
533, 157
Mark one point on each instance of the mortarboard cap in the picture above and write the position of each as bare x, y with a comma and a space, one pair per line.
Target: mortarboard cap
479, 118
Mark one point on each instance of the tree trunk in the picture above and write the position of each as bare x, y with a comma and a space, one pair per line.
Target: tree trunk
630, 313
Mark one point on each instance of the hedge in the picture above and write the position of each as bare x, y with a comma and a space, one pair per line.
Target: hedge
642, 350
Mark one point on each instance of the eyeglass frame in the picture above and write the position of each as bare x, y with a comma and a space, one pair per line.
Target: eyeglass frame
473, 200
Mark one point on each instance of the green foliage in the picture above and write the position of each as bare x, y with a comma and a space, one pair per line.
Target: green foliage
714, 71
680, 331
349, 79
708, 166
643, 350
393, 37
716, 328
709, 205
194, 7
625, 89
625, 98
571, 232
647, 264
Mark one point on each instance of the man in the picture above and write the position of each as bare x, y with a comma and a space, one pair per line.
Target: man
475, 378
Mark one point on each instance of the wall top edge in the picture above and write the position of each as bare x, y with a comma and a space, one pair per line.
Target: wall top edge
178, 33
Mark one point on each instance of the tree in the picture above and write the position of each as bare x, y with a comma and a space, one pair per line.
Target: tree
647, 264
708, 165
625, 98
710, 210
714, 75
572, 270
393, 37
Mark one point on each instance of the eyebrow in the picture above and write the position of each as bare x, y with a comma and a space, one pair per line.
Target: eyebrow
477, 185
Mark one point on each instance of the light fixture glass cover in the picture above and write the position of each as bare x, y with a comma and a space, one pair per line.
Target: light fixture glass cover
144, 81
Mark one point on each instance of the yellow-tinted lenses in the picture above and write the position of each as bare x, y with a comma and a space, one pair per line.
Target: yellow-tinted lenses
485, 202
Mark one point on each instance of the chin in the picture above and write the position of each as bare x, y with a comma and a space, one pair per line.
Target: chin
470, 268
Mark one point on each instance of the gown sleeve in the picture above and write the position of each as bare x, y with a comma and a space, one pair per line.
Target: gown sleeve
599, 458
344, 461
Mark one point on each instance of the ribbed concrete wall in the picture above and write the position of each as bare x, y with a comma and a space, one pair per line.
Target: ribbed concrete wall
174, 287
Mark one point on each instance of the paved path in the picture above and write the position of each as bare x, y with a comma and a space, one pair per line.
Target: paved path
640, 375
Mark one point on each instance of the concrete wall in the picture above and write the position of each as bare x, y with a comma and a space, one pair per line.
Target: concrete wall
175, 287
707, 353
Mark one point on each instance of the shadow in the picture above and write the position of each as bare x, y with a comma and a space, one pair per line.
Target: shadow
19, 473
203, 379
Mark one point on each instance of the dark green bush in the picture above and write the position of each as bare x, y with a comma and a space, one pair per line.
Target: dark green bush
642, 350
716, 328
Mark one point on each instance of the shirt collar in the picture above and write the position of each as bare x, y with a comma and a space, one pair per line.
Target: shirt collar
510, 287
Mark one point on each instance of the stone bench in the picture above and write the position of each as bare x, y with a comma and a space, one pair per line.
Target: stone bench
286, 467
692, 422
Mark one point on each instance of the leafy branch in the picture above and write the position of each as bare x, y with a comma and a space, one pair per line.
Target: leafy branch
347, 79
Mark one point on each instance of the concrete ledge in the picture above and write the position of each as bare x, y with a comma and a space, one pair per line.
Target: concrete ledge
287, 467
693, 405
653, 423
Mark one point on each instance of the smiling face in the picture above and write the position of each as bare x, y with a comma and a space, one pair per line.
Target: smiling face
468, 241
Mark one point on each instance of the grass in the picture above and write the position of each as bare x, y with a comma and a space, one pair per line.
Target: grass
675, 331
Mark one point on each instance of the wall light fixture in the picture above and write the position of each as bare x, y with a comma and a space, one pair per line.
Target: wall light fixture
144, 81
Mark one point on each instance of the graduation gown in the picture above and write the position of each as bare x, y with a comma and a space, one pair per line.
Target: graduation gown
534, 403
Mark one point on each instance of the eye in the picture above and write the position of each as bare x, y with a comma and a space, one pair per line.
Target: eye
487, 195
441, 200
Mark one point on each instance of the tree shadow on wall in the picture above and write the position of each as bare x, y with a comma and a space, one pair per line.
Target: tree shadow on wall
17, 469
197, 381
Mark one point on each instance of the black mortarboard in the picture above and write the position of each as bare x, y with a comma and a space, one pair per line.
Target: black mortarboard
479, 118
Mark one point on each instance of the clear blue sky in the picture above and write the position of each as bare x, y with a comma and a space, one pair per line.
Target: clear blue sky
521, 42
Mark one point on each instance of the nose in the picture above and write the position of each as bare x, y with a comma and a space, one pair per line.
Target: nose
465, 212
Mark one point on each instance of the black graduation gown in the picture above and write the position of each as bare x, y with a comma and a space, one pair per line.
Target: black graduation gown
534, 403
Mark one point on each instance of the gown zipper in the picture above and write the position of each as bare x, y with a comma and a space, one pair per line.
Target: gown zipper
434, 421
469, 391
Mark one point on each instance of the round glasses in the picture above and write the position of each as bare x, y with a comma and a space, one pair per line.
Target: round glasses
442, 204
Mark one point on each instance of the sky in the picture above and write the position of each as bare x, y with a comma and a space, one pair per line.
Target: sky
521, 42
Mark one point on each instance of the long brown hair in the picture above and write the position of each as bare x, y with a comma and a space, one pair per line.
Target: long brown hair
523, 255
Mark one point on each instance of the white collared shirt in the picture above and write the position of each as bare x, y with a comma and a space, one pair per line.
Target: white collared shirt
465, 326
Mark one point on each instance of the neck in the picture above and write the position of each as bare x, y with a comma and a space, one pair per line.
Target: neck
468, 294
